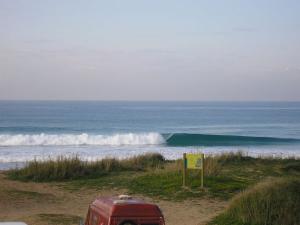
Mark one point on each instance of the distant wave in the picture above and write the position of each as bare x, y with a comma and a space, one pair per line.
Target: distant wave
135, 139
81, 139
184, 139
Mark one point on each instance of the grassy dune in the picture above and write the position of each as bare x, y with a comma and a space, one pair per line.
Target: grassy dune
65, 168
150, 174
274, 201
264, 190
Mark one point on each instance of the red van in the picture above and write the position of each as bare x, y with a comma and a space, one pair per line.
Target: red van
123, 210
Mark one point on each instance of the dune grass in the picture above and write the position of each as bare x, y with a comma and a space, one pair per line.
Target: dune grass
273, 201
68, 168
150, 174
273, 197
225, 176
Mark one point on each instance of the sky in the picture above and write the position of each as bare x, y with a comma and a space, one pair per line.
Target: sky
150, 50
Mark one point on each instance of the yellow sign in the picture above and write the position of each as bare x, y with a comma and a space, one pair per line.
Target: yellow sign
194, 161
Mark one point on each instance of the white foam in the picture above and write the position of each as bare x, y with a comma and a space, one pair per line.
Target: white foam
81, 139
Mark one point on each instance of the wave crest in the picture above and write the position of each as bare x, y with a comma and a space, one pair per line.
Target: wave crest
81, 139
184, 139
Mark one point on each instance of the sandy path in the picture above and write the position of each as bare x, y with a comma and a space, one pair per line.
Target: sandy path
42, 203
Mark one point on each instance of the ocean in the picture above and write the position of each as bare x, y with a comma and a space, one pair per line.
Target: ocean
98, 129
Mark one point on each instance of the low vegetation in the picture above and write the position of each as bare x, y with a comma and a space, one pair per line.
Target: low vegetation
152, 175
273, 201
67, 168
263, 190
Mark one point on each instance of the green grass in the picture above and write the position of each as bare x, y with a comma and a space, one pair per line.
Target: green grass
151, 175
274, 201
263, 190
232, 174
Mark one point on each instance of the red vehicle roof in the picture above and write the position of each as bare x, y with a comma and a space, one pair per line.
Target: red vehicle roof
114, 206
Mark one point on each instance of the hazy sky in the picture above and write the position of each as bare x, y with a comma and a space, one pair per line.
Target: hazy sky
150, 50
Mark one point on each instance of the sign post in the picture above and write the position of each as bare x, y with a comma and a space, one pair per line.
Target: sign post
184, 170
194, 162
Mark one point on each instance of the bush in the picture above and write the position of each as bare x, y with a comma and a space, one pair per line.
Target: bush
272, 202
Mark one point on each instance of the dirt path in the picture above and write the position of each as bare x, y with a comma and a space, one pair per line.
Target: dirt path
43, 204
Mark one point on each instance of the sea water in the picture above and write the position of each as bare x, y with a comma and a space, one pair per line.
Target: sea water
97, 129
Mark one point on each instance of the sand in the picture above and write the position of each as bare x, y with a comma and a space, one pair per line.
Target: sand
44, 203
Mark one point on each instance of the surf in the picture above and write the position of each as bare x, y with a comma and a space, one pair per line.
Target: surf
81, 139
139, 139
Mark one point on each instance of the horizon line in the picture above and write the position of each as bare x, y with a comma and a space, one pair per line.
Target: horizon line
123, 100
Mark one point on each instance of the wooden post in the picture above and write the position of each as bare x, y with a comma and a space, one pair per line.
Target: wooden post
202, 171
184, 170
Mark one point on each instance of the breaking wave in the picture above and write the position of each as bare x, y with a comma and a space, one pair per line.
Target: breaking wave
81, 139
136, 139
